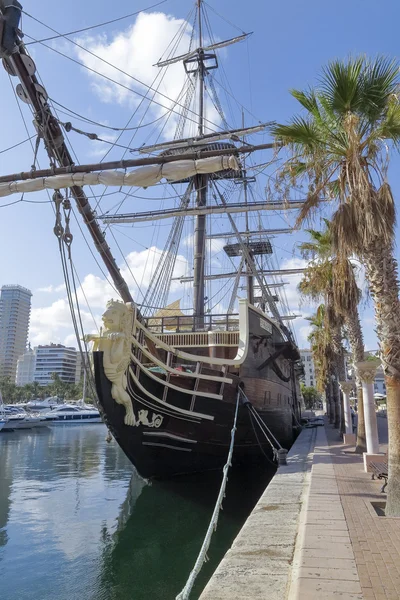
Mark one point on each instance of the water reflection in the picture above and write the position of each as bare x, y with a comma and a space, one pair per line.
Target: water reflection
77, 522
152, 554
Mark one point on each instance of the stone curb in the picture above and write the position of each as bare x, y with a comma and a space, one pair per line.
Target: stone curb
258, 565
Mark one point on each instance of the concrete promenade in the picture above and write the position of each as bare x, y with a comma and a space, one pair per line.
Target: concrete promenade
314, 533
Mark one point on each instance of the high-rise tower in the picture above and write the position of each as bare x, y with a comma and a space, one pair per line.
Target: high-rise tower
15, 310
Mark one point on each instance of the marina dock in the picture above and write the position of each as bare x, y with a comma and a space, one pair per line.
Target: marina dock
315, 532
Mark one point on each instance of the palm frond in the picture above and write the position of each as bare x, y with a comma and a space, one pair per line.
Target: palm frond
389, 128
308, 207
379, 83
346, 294
334, 188
342, 86
344, 229
300, 131
308, 99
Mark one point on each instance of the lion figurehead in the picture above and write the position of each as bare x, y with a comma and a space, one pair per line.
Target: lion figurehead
118, 317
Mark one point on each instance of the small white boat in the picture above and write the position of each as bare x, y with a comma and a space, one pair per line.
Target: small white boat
17, 418
70, 414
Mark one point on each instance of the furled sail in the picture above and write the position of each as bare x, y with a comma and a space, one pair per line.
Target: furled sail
167, 318
141, 177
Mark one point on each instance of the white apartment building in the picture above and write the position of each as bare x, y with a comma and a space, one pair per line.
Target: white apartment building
309, 369
26, 368
55, 358
15, 310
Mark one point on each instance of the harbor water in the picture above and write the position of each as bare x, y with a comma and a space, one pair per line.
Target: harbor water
77, 522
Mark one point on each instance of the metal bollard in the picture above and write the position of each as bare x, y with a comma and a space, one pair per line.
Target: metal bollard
282, 454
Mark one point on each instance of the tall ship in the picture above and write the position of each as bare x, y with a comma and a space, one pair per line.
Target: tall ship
170, 374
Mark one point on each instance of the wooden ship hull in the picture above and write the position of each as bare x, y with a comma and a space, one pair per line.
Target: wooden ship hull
183, 421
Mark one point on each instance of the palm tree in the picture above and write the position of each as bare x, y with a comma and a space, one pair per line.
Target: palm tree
321, 348
341, 149
317, 283
333, 278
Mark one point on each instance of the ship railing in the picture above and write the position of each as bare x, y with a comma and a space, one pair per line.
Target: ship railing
189, 323
142, 332
200, 339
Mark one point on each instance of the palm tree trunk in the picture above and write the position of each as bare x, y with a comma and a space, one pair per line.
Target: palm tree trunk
336, 397
342, 423
381, 270
354, 332
331, 403
393, 412
340, 376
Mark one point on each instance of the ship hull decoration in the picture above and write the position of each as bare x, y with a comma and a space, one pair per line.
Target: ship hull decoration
172, 413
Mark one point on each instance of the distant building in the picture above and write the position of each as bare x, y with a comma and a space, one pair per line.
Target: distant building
55, 358
379, 382
15, 310
309, 368
26, 368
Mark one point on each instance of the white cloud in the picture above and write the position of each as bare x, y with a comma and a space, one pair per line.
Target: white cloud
51, 289
135, 52
53, 323
302, 333
291, 292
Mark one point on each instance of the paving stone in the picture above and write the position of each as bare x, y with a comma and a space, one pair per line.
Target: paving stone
334, 563
329, 573
310, 589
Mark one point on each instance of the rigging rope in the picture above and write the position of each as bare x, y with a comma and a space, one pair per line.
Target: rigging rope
19, 144
158, 290
235, 286
141, 83
202, 557
65, 238
250, 262
54, 37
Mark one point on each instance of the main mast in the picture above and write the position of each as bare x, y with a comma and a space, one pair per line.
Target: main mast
250, 279
201, 182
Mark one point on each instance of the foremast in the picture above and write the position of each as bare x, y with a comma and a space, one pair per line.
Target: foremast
201, 184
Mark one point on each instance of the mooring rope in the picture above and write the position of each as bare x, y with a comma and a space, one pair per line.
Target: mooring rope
271, 462
264, 428
261, 423
202, 557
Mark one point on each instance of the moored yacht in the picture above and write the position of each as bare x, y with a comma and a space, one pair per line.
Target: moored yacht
43, 405
70, 414
18, 418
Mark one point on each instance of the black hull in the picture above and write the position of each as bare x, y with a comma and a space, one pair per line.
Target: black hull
183, 446
180, 430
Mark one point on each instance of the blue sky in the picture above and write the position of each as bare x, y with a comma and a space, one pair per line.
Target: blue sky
290, 44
